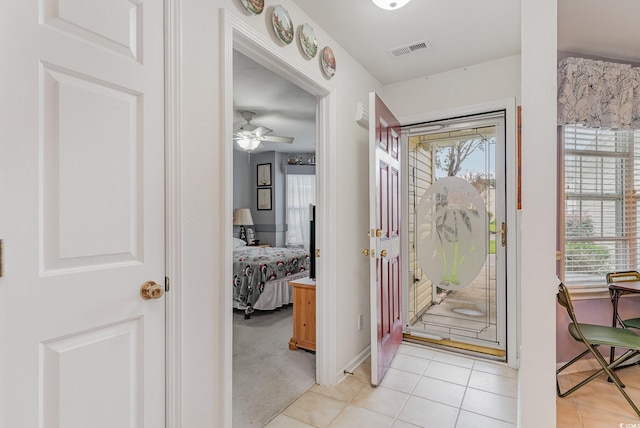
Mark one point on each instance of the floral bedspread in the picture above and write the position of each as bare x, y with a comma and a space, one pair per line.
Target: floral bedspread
255, 266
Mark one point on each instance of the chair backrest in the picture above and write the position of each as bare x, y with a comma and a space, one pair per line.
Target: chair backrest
565, 300
622, 276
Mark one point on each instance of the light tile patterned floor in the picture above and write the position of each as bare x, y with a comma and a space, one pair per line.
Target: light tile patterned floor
423, 387
599, 404
432, 388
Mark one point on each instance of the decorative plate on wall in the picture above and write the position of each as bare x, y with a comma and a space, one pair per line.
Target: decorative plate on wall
328, 61
308, 40
282, 24
255, 7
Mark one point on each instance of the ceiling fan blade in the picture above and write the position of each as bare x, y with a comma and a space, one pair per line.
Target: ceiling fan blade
242, 134
261, 130
249, 131
277, 139
247, 127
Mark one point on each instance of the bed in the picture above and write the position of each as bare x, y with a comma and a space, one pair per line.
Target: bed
261, 276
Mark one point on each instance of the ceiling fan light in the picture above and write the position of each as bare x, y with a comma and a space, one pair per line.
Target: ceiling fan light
390, 4
248, 144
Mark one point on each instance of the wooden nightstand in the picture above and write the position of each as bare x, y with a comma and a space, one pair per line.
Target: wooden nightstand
304, 314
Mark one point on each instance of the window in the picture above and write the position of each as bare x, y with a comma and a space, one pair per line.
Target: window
301, 192
599, 223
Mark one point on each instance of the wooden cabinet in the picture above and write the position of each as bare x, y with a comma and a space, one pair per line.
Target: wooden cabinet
304, 314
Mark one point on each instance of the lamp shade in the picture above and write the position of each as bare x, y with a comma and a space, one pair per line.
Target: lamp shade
242, 217
248, 144
390, 4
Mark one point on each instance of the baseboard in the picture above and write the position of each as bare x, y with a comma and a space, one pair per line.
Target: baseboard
353, 364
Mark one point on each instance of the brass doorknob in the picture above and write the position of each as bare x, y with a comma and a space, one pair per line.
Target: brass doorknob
365, 252
378, 233
383, 253
151, 290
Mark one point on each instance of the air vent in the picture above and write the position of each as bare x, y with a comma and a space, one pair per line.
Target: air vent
410, 48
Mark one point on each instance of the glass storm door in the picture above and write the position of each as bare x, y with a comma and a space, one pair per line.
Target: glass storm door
456, 286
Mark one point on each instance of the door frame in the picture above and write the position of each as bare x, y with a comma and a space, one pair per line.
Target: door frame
173, 209
511, 211
236, 34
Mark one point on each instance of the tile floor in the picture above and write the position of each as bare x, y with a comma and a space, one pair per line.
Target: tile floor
598, 404
423, 387
432, 388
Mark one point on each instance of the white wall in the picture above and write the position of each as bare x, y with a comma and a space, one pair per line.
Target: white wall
242, 184
475, 84
207, 206
538, 266
202, 192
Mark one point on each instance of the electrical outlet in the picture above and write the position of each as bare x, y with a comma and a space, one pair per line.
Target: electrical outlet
360, 321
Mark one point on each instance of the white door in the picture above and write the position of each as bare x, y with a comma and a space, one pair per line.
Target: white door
81, 214
384, 237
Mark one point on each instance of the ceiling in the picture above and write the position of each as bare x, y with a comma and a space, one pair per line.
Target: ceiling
607, 29
458, 33
279, 105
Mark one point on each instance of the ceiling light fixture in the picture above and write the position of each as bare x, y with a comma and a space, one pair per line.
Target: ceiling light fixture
248, 144
390, 4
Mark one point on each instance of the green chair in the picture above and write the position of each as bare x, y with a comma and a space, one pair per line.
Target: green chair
621, 277
593, 336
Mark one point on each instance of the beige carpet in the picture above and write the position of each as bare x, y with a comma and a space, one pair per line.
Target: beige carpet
267, 376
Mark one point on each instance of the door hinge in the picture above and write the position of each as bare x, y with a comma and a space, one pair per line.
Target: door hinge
167, 282
503, 234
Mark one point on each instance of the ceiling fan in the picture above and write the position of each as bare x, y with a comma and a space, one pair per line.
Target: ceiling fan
249, 136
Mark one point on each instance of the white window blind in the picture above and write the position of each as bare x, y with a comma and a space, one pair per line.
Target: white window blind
600, 203
301, 192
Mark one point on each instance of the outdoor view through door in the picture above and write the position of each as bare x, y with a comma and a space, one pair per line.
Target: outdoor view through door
456, 286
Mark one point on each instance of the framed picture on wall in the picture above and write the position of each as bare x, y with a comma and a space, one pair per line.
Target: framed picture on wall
264, 174
264, 199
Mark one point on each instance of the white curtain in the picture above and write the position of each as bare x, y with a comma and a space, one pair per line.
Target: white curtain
301, 192
598, 94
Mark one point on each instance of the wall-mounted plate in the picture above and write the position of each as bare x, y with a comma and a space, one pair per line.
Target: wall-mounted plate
308, 40
255, 7
282, 24
328, 62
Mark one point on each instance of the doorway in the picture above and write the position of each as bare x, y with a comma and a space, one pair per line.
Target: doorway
457, 209
281, 116
251, 43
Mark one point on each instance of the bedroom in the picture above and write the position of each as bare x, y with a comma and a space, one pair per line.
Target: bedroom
273, 186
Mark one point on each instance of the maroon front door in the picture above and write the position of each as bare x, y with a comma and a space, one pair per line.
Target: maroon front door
384, 232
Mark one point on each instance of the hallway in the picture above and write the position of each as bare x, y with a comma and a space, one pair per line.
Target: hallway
424, 387
434, 388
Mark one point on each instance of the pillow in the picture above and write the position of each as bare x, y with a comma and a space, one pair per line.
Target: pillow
237, 243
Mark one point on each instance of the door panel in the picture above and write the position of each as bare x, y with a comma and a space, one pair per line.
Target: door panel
82, 222
72, 366
385, 280
90, 172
